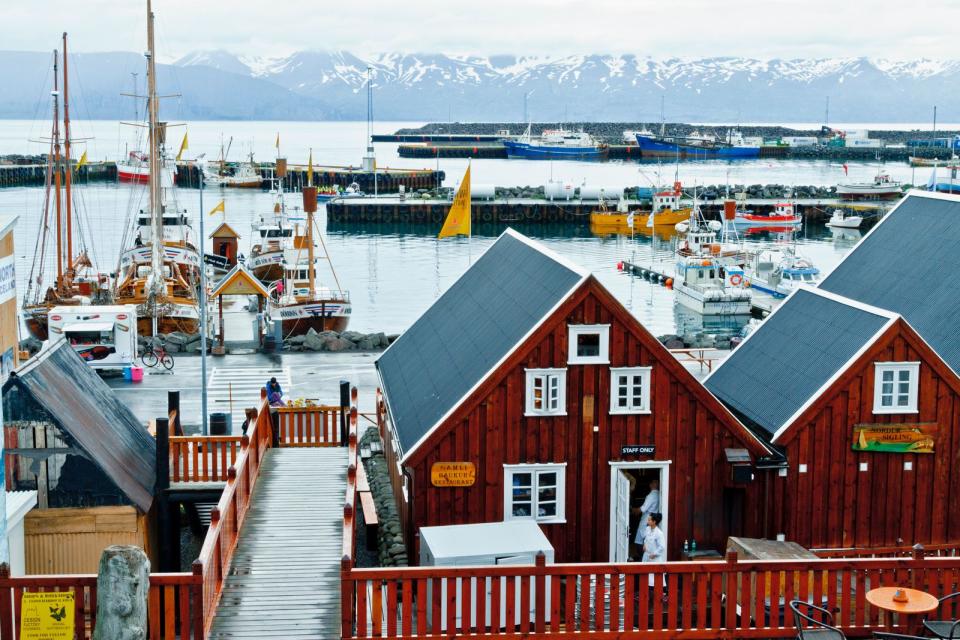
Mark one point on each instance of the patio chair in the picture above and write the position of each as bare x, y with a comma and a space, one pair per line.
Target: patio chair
945, 629
808, 627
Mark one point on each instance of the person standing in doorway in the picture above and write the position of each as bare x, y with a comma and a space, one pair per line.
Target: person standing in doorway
651, 504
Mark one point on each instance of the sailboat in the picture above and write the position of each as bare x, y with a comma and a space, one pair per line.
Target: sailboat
76, 281
160, 271
298, 301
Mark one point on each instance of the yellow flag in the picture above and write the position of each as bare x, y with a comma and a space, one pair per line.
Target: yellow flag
458, 218
310, 170
183, 146
277, 144
83, 160
220, 207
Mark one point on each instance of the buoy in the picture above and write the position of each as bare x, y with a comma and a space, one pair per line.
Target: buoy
620, 266
669, 283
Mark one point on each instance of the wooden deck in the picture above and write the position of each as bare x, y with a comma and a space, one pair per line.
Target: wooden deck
284, 579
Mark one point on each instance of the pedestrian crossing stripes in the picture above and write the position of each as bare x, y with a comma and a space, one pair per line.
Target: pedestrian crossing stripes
242, 385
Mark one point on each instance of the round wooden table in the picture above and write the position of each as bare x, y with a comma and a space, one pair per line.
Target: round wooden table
917, 601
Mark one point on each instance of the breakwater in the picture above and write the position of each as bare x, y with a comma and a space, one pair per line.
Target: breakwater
34, 173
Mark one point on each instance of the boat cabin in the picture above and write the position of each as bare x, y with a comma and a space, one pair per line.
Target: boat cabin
668, 199
528, 392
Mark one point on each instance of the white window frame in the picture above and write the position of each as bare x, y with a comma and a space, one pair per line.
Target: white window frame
575, 330
913, 393
615, 390
532, 375
560, 468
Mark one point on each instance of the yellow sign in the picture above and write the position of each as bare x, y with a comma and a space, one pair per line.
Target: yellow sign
453, 474
47, 616
894, 438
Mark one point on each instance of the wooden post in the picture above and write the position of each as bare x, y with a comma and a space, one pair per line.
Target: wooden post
540, 598
123, 583
6, 605
916, 580
169, 538
220, 312
173, 408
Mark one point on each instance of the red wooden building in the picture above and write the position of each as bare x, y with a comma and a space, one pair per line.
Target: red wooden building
528, 391
863, 400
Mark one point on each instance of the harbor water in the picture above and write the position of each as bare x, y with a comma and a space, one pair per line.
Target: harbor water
395, 273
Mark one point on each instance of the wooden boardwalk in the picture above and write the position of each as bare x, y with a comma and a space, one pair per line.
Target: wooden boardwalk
284, 581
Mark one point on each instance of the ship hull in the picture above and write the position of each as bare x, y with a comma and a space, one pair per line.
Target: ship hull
266, 267
653, 148
712, 305
852, 192
139, 174
319, 315
36, 321
617, 222
528, 151
751, 220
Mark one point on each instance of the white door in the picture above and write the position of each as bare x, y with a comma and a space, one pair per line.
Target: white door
621, 517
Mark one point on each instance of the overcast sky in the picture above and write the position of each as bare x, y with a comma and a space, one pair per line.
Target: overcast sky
684, 28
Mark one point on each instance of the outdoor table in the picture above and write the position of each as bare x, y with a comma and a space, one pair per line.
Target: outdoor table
917, 602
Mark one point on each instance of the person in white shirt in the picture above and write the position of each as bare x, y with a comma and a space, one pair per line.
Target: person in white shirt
654, 544
651, 504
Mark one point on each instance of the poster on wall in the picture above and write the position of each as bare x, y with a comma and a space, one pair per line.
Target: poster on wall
47, 615
8, 279
895, 438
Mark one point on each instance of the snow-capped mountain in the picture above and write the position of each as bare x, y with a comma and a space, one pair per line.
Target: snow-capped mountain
606, 87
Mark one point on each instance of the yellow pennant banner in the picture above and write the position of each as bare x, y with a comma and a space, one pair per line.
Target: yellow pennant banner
310, 170
82, 161
183, 146
458, 218
220, 207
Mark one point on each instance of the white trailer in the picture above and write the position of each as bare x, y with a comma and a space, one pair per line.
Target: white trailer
104, 336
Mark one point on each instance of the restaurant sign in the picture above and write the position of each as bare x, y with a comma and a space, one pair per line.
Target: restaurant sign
453, 474
895, 438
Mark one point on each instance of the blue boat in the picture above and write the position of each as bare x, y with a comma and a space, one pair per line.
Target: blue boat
556, 145
693, 147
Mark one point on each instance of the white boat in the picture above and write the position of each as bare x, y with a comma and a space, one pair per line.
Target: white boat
298, 301
708, 277
779, 270
881, 188
136, 168
245, 176
843, 220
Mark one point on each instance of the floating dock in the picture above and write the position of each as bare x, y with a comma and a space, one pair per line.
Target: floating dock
393, 210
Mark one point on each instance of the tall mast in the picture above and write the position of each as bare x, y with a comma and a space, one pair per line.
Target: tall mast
56, 167
154, 180
66, 149
310, 250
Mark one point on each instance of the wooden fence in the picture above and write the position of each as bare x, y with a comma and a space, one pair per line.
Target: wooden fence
317, 426
173, 604
203, 458
723, 599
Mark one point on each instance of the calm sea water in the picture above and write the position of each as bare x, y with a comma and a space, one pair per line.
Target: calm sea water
394, 275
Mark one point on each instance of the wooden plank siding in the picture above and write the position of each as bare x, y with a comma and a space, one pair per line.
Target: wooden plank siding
689, 427
836, 505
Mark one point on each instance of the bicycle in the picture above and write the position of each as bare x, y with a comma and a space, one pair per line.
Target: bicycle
152, 356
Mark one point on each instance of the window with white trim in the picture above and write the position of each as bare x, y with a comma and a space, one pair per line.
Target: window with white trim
895, 387
588, 344
534, 491
546, 392
630, 390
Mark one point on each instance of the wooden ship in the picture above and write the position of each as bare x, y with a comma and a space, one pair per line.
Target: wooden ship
273, 235
76, 282
160, 269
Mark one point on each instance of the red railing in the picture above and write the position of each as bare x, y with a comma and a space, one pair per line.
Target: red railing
227, 517
723, 599
173, 610
317, 426
929, 550
202, 458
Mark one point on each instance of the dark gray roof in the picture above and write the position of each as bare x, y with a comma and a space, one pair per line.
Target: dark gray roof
906, 264
471, 327
57, 385
791, 356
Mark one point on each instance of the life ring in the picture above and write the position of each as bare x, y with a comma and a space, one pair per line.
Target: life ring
736, 279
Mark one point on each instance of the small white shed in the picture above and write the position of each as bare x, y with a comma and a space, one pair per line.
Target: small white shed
483, 544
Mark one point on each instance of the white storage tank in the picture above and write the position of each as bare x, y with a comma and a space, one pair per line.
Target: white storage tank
559, 190
483, 191
514, 542
590, 192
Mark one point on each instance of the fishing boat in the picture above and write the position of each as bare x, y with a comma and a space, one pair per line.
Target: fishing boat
273, 235
779, 270
556, 144
298, 301
136, 168
75, 282
159, 273
326, 194
843, 220
709, 278
882, 187
246, 175
784, 214
949, 163
696, 146
666, 212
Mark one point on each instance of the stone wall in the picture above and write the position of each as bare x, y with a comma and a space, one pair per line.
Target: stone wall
391, 551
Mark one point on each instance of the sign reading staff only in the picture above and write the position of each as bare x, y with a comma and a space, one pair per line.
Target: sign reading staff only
47, 616
453, 474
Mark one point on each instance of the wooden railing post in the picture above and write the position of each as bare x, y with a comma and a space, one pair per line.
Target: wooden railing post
540, 600
7, 623
346, 594
916, 580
